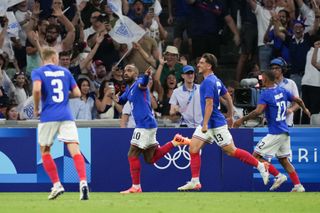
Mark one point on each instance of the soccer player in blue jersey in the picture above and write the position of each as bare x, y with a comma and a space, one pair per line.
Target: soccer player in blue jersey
273, 101
214, 126
144, 135
52, 84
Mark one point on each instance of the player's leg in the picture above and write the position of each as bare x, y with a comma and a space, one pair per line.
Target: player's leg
46, 134
197, 142
135, 170
155, 152
224, 139
283, 154
68, 134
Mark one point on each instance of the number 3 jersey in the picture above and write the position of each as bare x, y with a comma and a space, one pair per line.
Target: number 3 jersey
56, 82
275, 99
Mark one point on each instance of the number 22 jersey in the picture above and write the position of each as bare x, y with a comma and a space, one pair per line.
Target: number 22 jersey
56, 82
275, 99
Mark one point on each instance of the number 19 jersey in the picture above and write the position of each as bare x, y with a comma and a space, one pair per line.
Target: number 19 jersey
275, 99
56, 82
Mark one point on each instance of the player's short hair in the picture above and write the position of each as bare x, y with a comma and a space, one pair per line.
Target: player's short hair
47, 53
270, 75
133, 67
211, 59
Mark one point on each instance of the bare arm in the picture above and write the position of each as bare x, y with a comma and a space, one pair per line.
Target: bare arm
76, 92
229, 105
125, 6
124, 120
85, 62
4, 32
67, 42
253, 114
314, 60
253, 4
232, 26
300, 102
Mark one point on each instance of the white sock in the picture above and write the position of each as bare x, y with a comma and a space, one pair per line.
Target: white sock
83, 183
137, 186
195, 180
57, 184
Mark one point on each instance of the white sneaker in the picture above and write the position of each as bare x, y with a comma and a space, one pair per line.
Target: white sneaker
190, 186
84, 192
278, 181
298, 188
263, 169
56, 192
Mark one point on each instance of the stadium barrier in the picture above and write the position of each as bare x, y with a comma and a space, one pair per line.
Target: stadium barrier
105, 151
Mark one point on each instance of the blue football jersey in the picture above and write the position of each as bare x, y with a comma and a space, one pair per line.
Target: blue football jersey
56, 82
275, 99
140, 103
212, 87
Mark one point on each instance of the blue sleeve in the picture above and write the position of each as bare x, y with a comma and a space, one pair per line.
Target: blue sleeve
35, 75
223, 90
143, 81
263, 98
123, 98
73, 82
208, 90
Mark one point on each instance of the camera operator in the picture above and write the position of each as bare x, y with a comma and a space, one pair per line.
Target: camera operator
279, 67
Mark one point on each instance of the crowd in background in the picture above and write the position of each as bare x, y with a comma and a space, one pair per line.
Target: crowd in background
174, 40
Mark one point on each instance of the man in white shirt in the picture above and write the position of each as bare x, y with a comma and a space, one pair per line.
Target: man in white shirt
185, 100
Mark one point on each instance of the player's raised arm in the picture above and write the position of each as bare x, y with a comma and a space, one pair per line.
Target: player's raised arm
300, 102
143, 82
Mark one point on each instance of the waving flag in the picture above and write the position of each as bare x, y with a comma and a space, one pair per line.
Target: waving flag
116, 7
13, 2
3, 7
13, 25
157, 8
126, 31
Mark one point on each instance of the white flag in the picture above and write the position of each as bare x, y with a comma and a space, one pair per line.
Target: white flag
13, 2
13, 25
116, 7
25, 109
157, 8
3, 7
126, 31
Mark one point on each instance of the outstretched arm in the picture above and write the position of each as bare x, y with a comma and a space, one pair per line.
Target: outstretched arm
255, 113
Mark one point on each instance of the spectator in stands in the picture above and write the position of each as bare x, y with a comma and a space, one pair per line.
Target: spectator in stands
137, 11
248, 36
100, 73
53, 32
108, 49
117, 79
94, 25
165, 95
181, 24
263, 15
185, 101
311, 82
87, 9
23, 16
170, 65
106, 107
5, 81
298, 44
12, 113
83, 108
22, 89
206, 24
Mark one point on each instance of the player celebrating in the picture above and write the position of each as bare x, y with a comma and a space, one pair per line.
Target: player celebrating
144, 136
273, 101
52, 84
214, 126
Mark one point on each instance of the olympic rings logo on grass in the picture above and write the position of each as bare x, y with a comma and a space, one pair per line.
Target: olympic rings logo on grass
182, 152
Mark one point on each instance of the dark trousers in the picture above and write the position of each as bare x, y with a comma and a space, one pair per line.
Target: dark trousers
206, 44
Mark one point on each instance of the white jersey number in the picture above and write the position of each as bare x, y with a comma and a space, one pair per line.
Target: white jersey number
57, 90
282, 109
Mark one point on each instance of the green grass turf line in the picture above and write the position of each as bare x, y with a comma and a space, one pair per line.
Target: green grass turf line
157, 202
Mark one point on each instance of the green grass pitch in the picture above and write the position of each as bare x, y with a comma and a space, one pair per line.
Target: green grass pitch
160, 202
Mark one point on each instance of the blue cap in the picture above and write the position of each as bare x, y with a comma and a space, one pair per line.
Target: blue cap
187, 68
277, 61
